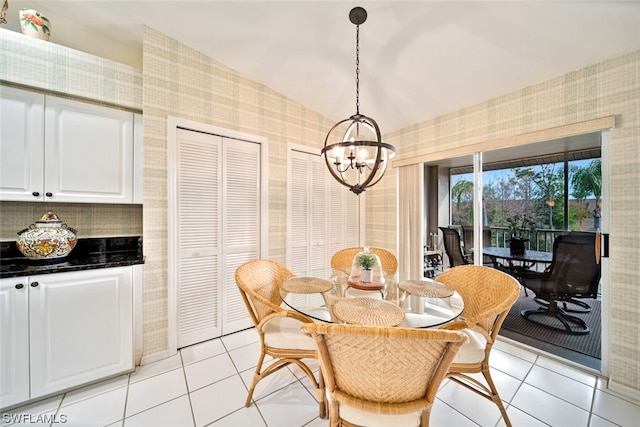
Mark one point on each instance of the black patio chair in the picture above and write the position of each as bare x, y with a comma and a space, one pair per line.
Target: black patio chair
573, 274
453, 248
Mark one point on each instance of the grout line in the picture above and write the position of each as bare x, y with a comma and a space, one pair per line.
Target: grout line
184, 373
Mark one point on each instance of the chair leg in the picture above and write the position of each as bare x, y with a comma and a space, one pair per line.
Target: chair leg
495, 397
256, 378
488, 391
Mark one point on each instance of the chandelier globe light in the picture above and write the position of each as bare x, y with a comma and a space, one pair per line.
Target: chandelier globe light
353, 150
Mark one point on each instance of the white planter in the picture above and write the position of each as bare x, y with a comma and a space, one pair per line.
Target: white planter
367, 276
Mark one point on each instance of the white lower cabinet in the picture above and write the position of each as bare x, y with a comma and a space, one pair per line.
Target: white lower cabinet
62, 330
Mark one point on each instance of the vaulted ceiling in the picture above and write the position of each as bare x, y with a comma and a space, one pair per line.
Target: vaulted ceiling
418, 59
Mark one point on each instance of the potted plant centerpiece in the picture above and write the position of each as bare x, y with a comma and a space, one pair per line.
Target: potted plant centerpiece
366, 261
521, 227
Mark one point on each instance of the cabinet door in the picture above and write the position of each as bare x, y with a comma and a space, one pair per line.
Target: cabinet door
88, 153
14, 341
21, 144
81, 327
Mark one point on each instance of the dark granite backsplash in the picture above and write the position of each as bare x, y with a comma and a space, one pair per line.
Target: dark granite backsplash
90, 253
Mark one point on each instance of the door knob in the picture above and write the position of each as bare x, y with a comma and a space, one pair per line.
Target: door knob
19, 286
34, 284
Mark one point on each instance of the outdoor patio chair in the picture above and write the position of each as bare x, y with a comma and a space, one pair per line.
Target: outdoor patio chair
573, 274
382, 376
279, 329
488, 295
451, 240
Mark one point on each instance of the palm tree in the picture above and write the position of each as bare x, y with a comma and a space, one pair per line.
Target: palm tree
462, 190
587, 181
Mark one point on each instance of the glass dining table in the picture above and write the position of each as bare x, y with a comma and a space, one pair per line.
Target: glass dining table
423, 303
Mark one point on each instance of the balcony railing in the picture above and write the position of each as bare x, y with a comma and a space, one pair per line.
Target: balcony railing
542, 239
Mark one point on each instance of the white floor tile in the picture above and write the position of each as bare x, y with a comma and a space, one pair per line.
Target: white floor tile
160, 367
443, 415
240, 339
246, 357
173, 413
568, 371
95, 389
155, 390
560, 386
549, 409
522, 419
596, 421
473, 406
201, 351
218, 400
208, 371
289, 407
509, 364
45, 406
244, 417
503, 344
319, 422
269, 384
21, 419
99, 411
615, 409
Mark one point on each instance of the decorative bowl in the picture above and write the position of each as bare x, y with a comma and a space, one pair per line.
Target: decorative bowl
48, 238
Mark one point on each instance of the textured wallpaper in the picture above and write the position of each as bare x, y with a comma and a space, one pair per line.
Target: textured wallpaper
182, 82
604, 89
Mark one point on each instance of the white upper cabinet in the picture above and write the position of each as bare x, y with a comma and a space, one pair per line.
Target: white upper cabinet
61, 150
21, 145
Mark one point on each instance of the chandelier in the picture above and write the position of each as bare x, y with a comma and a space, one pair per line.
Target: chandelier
353, 149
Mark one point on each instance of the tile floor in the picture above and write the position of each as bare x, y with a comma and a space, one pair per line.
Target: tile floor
206, 385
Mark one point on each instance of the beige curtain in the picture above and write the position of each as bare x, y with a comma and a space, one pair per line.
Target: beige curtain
411, 221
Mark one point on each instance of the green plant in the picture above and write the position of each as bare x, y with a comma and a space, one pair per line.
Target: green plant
521, 226
367, 261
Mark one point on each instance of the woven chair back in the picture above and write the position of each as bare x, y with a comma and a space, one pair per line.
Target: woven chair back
259, 281
384, 370
343, 259
487, 293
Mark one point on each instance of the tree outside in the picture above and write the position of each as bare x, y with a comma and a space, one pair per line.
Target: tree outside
537, 191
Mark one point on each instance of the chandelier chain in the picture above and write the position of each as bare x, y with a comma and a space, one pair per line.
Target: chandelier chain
358, 69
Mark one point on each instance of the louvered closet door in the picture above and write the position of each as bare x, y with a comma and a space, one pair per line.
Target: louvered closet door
199, 198
299, 209
241, 201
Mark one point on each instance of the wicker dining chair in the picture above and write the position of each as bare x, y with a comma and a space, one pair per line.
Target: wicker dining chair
382, 376
488, 295
279, 329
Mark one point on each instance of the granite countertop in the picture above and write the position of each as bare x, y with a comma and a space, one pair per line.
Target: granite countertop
90, 253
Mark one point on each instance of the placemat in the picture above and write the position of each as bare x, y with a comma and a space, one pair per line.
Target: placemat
306, 285
368, 311
426, 288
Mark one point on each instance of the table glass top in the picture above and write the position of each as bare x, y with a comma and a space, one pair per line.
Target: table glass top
419, 311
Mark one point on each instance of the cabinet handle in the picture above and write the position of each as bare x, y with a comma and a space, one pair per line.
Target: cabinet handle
48, 194
34, 284
35, 194
19, 286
